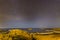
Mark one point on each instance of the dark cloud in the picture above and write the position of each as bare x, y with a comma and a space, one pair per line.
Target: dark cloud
30, 13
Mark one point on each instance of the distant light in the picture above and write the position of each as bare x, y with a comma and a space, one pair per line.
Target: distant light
29, 28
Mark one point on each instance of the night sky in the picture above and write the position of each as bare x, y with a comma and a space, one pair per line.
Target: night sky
29, 13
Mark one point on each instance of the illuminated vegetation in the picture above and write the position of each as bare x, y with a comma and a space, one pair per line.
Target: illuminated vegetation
17, 34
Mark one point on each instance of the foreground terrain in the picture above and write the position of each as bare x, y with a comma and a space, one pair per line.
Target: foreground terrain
19, 34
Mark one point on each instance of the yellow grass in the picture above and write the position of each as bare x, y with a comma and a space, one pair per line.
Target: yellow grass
28, 36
